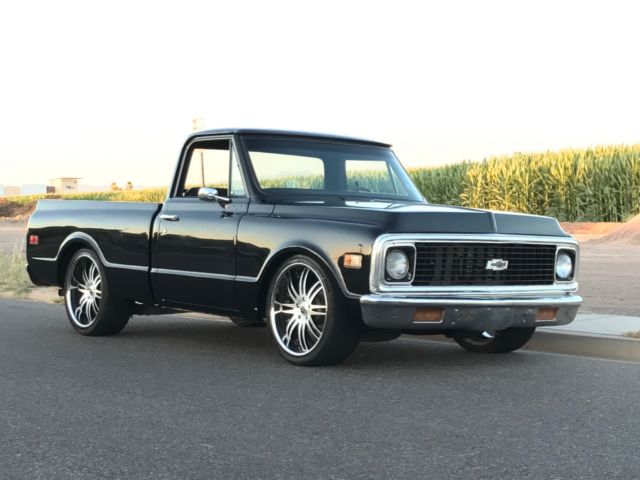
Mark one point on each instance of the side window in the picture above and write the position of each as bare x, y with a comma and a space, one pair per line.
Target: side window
208, 166
374, 176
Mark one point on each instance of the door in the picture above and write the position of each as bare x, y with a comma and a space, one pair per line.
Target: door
194, 255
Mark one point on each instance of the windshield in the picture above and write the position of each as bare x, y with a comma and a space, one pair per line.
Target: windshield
311, 168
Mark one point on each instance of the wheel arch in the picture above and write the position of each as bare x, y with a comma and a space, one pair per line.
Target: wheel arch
74, 242
277, 258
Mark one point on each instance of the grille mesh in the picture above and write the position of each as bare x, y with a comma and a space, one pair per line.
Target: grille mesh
464, 264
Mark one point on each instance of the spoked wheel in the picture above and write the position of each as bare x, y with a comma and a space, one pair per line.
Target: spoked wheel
84, 291
501, 341
304, 315
300, 309
90, 308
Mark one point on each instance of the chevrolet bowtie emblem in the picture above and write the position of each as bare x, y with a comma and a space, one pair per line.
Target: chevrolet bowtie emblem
497, 264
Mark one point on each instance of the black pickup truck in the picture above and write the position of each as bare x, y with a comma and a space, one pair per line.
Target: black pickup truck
325, 239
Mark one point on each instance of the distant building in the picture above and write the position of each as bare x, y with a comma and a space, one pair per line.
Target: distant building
33, 189
9, 191
65, 184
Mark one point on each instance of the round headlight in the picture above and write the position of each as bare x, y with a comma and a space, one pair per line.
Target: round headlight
564, 266
397, 264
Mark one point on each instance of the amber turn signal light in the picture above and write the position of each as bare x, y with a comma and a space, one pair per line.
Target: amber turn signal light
546, 314
353, 260
433, 315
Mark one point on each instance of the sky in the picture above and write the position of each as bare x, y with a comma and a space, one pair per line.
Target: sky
107, 91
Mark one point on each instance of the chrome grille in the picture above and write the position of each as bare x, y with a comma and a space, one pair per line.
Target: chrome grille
464, 264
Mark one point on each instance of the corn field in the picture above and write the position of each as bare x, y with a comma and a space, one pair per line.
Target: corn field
594, 184
146, 195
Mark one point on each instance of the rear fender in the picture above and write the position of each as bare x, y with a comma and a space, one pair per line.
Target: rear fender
126, 281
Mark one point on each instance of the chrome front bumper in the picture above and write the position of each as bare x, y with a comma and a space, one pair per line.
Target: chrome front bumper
459, 313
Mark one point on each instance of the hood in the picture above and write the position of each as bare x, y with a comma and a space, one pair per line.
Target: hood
426, 218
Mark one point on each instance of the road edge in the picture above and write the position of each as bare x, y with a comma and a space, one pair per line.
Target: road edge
611, 347
608, 347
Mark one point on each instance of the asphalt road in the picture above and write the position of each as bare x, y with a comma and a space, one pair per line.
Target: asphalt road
187, 398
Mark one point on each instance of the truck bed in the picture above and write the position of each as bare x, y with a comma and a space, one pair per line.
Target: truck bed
122, 231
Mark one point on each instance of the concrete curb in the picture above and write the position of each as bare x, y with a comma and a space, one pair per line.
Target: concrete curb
611, 347
608, 347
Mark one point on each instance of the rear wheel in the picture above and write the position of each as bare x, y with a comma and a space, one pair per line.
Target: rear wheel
307, 316
90, 307
502, 341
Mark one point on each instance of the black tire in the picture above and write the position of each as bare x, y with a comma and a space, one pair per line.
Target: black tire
503, 341
244, 323
91, 309
339, 335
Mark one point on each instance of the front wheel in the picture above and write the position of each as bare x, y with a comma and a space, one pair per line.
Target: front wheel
91, 308
307, 316
502, 341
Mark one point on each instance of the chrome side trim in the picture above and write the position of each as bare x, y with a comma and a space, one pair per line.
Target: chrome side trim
87, 238
237, 278
140, 268
242, 278
382, 243
188, 273
274, 252
45, 259
219, 276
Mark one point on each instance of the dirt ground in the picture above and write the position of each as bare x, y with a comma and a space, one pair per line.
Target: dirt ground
609, 273
609, 277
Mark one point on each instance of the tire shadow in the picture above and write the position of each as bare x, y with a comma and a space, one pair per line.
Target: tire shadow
220, 337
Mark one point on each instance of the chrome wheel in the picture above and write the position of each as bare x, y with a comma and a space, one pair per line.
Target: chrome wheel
298, 309
83, 291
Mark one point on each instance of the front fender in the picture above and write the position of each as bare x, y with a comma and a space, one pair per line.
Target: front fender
265, 242
279, 255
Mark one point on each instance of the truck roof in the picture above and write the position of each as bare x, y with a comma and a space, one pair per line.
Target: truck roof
285, 133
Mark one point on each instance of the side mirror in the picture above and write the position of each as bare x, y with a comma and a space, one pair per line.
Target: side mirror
207, 194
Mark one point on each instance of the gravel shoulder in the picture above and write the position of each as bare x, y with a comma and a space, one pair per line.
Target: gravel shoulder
609, 278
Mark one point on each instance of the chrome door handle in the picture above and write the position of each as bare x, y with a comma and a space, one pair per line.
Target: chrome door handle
169, 218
